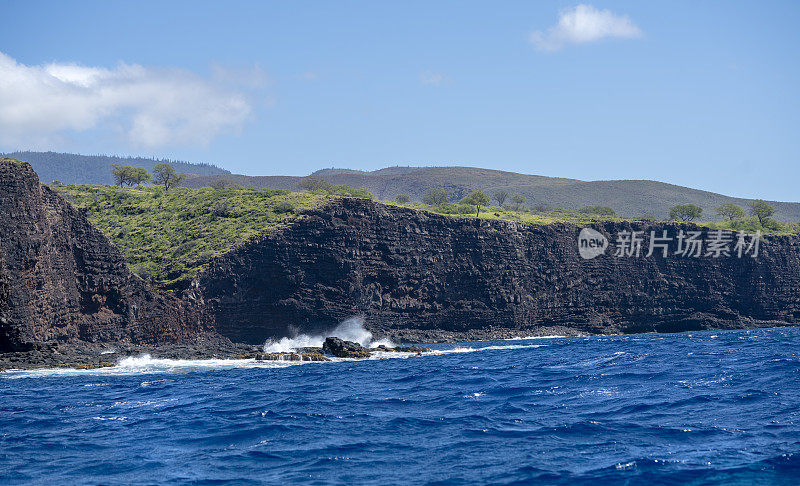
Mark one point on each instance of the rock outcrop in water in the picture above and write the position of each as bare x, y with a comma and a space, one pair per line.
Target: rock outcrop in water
419, 276
344, 349
61, 280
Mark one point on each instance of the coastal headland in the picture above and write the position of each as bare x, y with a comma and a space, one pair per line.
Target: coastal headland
67, 294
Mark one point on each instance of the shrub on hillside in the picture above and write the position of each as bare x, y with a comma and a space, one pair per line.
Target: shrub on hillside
454, 208
221, 209
598, 210
345, 190
223, 184
314, 184
284, 207
275, 192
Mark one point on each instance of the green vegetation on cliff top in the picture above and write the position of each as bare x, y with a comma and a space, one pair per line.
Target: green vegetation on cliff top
167, 237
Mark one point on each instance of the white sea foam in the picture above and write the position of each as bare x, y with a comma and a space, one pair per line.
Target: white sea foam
146, 364
349, 330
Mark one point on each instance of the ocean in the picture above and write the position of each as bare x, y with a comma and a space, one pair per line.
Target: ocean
691, 408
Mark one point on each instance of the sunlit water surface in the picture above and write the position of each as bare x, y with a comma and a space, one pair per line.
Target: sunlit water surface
709, 407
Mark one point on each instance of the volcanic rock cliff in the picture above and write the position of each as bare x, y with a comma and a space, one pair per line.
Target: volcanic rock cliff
416, 276
61, 280
411, 275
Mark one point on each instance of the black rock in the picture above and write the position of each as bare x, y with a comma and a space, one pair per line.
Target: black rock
309, 350
411, 349
344, 349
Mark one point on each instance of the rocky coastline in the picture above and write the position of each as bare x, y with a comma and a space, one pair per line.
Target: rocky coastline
80, 355
68, 299
422, 277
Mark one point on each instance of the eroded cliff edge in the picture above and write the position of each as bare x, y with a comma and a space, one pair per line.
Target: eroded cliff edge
62, 281
419, 276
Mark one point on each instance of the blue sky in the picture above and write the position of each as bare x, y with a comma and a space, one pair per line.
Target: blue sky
702, 94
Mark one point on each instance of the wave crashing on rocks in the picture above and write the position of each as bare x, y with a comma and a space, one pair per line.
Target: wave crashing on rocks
351, 329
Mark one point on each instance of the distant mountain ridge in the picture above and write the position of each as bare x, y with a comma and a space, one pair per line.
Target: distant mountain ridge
631, 198
96, 169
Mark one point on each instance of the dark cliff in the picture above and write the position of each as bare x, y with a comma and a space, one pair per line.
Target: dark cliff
61, 280
412, 275
423, 276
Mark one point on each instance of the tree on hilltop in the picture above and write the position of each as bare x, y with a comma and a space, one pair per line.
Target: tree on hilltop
518, 201
436, 197
500, 197
761, 210
140, 175
313, 184
129, 175
165, 175
685, 212
122, 174
730, 211
476, 199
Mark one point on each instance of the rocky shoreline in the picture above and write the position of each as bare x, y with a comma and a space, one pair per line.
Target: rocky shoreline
91, 356
81, 355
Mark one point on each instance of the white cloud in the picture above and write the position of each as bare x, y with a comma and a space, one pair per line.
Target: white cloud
149, 107
583, 24
432, 78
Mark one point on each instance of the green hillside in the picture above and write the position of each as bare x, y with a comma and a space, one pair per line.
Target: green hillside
167, 237
629, 198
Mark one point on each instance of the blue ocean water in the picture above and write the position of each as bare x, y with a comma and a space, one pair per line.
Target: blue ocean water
692, 408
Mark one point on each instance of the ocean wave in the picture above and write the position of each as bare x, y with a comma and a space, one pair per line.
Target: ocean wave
349, 330
145, 364
612, 410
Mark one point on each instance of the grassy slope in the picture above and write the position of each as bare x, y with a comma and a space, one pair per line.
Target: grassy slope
168, 237
558, 215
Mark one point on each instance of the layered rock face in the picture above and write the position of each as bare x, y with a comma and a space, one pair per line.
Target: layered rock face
417, 275
62, 280
412, 276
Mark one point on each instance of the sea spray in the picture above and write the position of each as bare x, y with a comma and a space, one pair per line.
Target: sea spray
146, 364
351, 329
